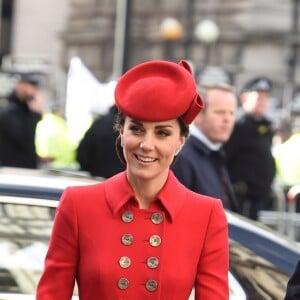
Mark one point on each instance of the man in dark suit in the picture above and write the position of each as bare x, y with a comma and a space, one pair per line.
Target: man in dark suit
96, 152
18, 121
200, 165
249, 150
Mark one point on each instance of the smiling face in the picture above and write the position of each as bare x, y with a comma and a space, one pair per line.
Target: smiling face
149, 147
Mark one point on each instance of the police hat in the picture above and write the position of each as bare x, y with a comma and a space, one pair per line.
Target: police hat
30, 78
158, 91
260, 84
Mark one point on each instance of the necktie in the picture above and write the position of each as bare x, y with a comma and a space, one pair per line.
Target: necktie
219, 163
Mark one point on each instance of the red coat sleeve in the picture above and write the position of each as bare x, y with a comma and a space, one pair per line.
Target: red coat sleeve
62, 255
212, 273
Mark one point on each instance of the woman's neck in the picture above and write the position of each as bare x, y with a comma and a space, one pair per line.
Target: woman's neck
146, 190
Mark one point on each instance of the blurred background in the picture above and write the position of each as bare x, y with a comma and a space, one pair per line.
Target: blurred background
229, 40
79, 48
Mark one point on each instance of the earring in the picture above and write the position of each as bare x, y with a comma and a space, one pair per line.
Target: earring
177, 152
121, 142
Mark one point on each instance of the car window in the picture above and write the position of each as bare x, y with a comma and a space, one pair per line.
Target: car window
258, 277
282, 253
24, 235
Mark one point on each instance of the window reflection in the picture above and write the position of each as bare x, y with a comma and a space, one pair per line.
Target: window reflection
24, 236
259, 278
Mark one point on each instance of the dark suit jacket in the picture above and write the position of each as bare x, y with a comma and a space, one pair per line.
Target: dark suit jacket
17, 134
293, 287
249, 157
197, 170
96, 152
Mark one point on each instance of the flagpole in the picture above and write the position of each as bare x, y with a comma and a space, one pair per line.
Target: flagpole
121, 38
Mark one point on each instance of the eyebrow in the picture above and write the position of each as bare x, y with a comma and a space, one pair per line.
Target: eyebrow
137, 122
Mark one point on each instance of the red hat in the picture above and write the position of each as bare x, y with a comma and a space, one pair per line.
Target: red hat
158, 91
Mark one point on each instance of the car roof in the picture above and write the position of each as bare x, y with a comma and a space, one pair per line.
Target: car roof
40, 183
262, 240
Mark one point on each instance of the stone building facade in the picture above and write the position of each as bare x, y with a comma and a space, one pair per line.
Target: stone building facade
257, 37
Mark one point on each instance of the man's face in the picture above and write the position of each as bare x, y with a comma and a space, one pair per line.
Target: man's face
255, 103
216, 121
26, 92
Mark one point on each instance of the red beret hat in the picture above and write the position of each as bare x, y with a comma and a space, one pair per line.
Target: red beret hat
158, 91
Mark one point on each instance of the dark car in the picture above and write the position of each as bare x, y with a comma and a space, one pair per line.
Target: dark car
261, 261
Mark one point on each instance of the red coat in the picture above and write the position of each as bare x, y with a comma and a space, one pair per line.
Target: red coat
117, 251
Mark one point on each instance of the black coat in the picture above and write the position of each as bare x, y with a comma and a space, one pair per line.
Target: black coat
96, 152
17, 134
293, 286
199, 170
250, 162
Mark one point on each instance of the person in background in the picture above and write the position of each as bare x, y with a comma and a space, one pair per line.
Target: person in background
141, 234
96, 151
201, 165
53, 143
287, 160
293, 285
18, 121
250, 161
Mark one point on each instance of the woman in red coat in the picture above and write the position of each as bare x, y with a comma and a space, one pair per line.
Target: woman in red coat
141, 234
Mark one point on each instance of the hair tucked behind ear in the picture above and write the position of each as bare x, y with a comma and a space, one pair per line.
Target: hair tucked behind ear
119, 124
119, 150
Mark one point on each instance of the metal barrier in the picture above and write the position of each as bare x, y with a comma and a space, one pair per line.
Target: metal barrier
284, 218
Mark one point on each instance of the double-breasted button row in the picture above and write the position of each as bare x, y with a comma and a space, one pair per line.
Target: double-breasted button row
156, 217
151, 284
127, 239
125, 262
154, 240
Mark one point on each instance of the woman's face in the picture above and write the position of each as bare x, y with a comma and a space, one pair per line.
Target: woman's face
149, 147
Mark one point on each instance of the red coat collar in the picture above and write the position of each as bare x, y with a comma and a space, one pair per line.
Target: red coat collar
118, 193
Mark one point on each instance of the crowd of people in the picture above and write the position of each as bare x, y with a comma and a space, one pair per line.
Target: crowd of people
163, 136
228, 155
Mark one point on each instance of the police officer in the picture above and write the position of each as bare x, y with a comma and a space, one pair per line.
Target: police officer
250, 162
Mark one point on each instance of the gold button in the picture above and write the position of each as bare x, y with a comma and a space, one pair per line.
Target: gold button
127, 216
155, 240
125, 262
127, 239
123, 283
152, 262
151, 285
157, 218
